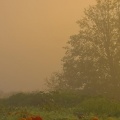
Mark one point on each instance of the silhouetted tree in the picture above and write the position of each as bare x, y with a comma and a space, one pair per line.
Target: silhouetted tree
92, 59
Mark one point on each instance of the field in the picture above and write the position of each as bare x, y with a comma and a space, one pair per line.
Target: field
59, 107
15, 113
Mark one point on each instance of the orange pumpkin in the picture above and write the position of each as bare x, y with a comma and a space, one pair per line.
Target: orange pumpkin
95, 118
29, 118
37, 118
22, 119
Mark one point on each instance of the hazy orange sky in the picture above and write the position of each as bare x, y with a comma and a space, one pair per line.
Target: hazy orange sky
32, 34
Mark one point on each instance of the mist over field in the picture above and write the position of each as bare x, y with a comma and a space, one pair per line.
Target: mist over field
32, 34
54, 69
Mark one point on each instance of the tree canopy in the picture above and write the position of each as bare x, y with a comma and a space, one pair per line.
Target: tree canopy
92, 59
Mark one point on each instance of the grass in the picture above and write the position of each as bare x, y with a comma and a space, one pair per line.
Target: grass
90, 107
61, 114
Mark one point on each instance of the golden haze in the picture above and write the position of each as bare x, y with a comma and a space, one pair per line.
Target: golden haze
32, 34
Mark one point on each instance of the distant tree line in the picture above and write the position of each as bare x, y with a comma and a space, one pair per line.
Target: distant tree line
43, 100
71, 101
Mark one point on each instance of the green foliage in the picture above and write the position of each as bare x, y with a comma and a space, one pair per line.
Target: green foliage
59, 105
99, 106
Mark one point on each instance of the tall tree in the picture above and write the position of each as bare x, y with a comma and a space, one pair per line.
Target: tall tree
92, 59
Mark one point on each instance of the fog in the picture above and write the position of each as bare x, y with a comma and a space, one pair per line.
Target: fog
32, 34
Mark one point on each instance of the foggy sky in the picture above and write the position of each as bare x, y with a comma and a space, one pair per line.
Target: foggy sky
32, 34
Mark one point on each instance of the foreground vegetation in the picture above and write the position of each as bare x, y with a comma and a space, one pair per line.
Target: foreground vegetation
59, 106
